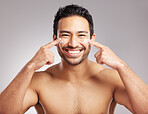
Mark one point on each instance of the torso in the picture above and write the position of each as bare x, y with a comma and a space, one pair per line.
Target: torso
91, 96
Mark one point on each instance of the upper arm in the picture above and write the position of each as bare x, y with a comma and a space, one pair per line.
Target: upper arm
31, 96
121, 97
30, 99
120, 93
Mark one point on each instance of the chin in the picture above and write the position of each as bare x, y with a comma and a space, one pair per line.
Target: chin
73, 62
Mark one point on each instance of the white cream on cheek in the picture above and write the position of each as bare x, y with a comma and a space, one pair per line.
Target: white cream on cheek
61, 41
85, 41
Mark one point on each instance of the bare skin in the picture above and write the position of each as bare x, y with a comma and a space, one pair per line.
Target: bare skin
75, 85
63, 95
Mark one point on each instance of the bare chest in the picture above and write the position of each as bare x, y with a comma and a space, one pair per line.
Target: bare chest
69, 98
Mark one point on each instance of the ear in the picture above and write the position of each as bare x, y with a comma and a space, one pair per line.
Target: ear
54, 37
93, 37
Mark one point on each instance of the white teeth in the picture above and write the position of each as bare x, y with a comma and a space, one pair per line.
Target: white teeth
73, 52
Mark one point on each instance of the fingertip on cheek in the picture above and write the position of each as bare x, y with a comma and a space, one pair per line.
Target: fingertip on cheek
61, 41
89, 42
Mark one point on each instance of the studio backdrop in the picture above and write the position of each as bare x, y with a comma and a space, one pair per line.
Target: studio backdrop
26, 25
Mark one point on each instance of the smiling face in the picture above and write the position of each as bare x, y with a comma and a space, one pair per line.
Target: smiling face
75, 32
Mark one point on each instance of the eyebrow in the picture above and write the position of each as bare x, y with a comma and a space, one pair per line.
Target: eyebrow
82, 32
64, 31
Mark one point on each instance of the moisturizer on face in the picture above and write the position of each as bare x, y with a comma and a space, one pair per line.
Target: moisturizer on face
85, 41
61, 41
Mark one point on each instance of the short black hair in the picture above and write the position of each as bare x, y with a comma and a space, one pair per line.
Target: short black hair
71, 10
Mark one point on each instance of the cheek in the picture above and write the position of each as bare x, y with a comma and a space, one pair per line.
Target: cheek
62, 43
85, 42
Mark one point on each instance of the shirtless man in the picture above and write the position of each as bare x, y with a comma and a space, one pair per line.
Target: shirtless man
76, 85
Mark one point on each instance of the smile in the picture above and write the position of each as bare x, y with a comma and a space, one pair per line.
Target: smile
73, 52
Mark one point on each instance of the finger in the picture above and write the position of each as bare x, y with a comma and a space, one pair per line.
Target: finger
97, 54
96, 44
51, 44
50, 54
98, 59
50, 60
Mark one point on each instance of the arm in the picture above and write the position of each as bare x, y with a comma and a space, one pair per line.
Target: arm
16, 97
136, 89
12, 97
134, 92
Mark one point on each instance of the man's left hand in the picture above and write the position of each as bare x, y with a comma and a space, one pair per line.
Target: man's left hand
106, 55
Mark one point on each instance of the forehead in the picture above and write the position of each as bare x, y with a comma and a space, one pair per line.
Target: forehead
73, 24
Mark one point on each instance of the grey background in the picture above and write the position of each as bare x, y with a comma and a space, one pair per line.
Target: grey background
26, 25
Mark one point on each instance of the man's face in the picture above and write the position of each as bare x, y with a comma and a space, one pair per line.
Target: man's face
74, 32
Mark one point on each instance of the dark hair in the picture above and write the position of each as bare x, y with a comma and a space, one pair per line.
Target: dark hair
71, 10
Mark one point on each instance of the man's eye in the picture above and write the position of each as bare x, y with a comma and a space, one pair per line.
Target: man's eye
82, 35
64, 35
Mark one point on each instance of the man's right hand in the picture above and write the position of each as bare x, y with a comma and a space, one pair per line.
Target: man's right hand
44, 56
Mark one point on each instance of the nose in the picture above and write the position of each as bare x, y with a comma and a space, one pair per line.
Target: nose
73, 42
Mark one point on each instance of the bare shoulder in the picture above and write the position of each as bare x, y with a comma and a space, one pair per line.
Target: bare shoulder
45, 75
107, 75
112, 76
96, 68
41, 78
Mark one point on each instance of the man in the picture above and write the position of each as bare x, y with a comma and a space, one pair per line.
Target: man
76, 84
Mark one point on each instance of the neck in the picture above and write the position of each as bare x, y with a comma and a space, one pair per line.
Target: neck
74, 73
